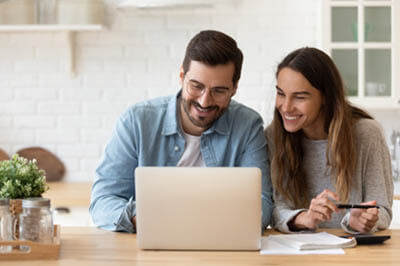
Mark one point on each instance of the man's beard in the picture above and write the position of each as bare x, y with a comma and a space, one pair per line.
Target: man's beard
201, 122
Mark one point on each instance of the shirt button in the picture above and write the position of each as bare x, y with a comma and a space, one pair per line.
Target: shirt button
176, 148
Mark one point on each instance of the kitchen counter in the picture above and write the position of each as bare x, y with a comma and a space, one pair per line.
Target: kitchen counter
63, 194
396, 190
78, 194
84, 246
74, 198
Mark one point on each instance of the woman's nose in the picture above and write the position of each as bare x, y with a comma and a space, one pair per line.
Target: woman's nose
287, 105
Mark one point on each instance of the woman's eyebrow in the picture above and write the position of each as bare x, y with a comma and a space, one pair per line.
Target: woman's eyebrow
296, 93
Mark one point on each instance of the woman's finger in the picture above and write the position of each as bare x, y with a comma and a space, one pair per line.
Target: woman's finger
326, 214
328, 194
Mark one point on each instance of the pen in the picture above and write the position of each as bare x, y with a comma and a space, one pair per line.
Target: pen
350, 206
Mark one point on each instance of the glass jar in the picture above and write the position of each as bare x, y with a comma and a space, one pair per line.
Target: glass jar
5, 225
36, 220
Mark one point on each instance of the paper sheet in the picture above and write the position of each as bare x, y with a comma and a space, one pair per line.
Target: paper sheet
322, 240
271, 247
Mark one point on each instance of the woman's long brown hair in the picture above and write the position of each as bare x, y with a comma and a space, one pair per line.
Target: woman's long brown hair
288, 175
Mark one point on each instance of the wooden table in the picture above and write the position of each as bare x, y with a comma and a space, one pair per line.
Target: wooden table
83, 246
78, 194
63, 194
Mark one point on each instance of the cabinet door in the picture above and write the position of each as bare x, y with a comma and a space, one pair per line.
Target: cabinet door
362, 37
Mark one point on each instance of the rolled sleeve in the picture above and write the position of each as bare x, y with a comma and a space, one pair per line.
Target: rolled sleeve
125, 220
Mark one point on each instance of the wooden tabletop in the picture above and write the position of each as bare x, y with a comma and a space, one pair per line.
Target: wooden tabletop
78, 194
64, 194
84, 246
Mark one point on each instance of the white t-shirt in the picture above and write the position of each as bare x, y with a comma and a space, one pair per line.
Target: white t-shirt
191, 155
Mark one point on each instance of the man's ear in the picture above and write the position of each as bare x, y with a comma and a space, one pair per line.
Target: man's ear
235, 89
181, 76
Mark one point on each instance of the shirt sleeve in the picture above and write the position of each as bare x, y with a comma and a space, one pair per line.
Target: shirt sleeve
377, 181
256, 155
113, 193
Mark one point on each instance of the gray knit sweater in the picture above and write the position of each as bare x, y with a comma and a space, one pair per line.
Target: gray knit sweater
372, 179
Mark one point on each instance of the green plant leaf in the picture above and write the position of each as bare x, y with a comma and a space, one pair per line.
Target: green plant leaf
21, 178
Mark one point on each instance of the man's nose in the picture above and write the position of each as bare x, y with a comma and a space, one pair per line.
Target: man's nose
206, 99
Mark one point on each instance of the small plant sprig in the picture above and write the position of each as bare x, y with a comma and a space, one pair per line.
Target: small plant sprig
21, 178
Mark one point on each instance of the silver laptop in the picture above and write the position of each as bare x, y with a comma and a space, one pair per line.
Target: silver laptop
192, 208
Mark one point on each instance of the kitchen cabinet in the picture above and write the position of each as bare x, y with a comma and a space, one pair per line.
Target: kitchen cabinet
172, 3
64, 17
363, 39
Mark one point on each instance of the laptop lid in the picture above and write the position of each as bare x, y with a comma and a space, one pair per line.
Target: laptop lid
209, 208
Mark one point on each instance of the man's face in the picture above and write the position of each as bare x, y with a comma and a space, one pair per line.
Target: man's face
207, 91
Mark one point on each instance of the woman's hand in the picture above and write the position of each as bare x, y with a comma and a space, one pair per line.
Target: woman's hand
363, 220
320, 210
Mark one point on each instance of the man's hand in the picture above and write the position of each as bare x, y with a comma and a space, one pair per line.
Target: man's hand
320, 210
363, 220
134, 221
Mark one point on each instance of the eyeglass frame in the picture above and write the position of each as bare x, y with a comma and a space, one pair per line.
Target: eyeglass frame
199, 92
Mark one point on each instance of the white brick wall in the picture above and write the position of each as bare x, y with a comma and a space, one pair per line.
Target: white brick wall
136, 58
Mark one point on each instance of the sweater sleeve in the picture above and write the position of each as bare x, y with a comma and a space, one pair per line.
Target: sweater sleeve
377, 180
283, 214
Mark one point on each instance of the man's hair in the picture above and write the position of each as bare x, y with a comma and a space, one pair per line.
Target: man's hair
214, 48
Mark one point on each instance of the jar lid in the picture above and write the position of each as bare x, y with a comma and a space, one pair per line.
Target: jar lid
35, 202
4, 202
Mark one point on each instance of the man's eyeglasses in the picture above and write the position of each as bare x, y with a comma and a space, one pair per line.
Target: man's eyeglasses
218, 94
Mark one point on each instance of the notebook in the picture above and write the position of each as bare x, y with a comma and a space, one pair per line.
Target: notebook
312, 241
189, 208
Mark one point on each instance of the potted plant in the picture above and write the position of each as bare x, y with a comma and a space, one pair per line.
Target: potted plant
21, 178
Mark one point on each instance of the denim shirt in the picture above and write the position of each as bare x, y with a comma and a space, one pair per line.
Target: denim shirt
149, 134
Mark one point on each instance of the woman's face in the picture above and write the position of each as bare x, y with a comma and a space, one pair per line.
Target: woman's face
299, 104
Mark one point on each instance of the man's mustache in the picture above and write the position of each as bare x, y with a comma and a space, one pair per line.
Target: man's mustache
209, 108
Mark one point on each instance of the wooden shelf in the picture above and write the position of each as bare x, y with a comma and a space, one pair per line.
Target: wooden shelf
68, 32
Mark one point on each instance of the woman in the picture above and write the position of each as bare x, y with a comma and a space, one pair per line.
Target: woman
325, 151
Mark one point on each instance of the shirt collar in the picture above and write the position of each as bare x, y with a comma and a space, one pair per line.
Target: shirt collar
171, 122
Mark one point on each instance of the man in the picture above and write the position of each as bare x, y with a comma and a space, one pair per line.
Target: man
200, 126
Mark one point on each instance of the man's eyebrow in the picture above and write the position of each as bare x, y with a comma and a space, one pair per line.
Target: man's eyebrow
220, 87
216, 87
195, 81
